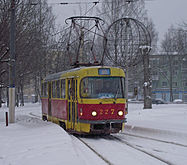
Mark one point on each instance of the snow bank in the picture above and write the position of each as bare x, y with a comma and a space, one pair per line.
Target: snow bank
166, 121
31, 141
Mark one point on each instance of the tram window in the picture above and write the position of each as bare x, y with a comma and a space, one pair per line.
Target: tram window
45, 90
42, 90
102, 87
58, 88
69, 89
123, 86
84, 88
53, 89
73, 89
63, 89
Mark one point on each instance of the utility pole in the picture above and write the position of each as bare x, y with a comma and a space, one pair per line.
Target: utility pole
12, 65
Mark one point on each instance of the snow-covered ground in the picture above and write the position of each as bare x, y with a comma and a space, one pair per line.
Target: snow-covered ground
32, 141
166, 121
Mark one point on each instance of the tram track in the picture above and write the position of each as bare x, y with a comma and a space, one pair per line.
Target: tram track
113, 137
81, 140
93, 150
125, 142
154, 139
36, 116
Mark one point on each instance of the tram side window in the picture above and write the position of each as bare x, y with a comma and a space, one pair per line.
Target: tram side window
44, 90
63, 89
58, 88
53, 89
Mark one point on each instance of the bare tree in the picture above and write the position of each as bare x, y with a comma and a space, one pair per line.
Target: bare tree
3, 62
174, 43
34, 26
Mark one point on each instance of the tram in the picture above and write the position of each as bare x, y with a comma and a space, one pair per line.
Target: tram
86, 100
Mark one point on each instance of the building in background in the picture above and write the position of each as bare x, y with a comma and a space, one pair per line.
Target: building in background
169, 76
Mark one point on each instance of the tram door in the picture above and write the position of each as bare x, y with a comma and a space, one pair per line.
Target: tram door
72, 102
49, 99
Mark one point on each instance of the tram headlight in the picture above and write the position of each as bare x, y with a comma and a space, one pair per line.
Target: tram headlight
81, 112
120, 113
94, 113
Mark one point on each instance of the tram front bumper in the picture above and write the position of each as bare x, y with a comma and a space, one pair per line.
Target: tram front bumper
105, 126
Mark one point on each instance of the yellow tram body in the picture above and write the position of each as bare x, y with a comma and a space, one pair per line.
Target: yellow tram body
66, 100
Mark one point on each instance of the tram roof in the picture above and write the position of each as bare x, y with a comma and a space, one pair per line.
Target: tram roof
58, 75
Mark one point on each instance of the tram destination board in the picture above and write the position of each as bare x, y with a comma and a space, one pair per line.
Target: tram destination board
104, 71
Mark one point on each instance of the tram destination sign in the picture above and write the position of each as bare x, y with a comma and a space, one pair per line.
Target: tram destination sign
104, 71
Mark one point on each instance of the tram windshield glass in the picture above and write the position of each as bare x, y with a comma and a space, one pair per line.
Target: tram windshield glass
102, 87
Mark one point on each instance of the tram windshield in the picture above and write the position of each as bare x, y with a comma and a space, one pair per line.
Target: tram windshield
102, 87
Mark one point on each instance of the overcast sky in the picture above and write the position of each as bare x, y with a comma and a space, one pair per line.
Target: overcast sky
163, 12
167, 12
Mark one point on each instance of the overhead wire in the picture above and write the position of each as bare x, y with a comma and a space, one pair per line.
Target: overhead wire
93, 2
117, 8
72, 3
110, 10
91, 7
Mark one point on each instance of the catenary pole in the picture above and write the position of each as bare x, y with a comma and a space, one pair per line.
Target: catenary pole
147, 77
12, 65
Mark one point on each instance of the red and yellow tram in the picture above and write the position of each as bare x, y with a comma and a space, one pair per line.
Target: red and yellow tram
86, 100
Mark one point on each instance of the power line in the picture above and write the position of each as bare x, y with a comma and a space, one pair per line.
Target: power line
117, 8
80, 3
73, 3
111, 10
91, 8
95, 3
